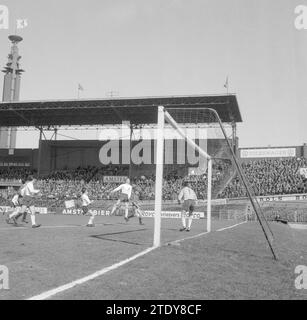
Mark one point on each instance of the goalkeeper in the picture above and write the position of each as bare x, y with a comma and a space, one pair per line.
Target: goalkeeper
188, 199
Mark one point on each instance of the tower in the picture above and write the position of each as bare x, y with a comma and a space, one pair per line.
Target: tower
11, 89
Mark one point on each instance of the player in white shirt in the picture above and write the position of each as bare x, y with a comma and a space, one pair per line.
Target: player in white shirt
188, 197
11, 217
85, 206
23, 210
17, 212
124, 198
29, 194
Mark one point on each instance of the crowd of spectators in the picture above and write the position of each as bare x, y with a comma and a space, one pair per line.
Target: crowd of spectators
14, 173
67, 184
266, 177
90, 173
270, 177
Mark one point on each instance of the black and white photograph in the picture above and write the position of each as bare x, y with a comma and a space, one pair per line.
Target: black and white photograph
153, 151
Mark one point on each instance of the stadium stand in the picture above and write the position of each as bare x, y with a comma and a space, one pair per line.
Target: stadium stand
266, 176
270, 177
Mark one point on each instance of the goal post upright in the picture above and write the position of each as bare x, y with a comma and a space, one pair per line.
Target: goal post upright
159, 177
209, 195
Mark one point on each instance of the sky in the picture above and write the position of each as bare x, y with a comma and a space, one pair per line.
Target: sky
169, 47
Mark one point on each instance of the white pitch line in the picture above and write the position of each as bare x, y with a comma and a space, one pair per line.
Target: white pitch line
64, 226
203, 233
13, 228
188, 238
42, 227
50, 293
54, 227
235, 225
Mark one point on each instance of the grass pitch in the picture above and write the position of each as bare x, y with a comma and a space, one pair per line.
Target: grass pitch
231, 264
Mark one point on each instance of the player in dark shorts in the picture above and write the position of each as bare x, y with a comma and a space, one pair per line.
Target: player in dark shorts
24, 210
136, 212
189, 198
188, 206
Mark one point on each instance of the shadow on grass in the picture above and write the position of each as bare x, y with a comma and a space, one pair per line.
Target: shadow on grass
104, 236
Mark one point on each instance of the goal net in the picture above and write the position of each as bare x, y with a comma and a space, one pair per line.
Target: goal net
194, 148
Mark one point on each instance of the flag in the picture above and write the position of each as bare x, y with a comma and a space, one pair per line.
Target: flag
22, 23
80, 87
4, 17
226, 83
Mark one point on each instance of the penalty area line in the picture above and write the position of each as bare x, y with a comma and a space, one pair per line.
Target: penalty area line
187, 238
53, 292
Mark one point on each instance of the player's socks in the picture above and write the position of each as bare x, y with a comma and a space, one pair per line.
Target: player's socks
126, 215
18, 216
90, 222
140, 221
183, 223
32, 217
8, 220
14, 214
113, 210
190, 222
14, 221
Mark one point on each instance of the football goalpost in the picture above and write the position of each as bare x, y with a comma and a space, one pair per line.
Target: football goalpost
173, 117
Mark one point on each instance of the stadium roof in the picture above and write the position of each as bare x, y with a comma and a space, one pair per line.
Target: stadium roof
110, 111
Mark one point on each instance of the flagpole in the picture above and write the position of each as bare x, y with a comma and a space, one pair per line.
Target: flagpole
226, 85
80, 88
